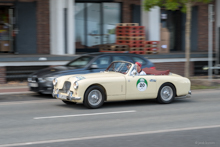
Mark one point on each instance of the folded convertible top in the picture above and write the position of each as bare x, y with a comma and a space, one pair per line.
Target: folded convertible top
150, 71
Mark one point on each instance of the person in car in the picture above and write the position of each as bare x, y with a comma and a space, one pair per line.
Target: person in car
139, 71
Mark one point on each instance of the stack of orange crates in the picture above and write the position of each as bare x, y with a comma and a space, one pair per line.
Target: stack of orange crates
132, 35
114, 48
151, 47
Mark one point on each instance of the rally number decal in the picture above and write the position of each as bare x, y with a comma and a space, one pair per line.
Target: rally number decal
142, 84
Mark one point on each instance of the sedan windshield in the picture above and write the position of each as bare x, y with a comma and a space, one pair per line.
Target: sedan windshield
80, 62
120, 67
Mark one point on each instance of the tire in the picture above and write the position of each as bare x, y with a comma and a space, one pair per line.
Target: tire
68, 102
94, 97
166, 94
40, 93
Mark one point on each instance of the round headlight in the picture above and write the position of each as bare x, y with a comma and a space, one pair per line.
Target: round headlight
76, 85
55, 82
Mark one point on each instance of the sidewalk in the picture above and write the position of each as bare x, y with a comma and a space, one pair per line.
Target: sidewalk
14, 88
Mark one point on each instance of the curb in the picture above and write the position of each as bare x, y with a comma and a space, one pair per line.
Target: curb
14, 87
11, 93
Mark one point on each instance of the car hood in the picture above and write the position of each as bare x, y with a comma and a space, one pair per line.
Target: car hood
96, 75
58, 70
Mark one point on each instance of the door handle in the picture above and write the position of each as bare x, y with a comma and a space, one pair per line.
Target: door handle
153, 80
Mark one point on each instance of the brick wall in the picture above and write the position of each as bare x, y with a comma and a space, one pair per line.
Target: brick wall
126, 9
2, 75
175, 67
43, 27
203, 27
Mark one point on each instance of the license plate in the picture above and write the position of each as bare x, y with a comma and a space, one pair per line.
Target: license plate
33, 84
61, 96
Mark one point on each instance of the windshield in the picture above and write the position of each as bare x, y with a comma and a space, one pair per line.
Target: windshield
120, 67
80, 62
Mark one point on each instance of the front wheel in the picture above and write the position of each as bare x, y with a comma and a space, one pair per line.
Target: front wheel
94, 97
166, 94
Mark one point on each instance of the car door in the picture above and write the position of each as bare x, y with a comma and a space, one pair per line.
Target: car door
141, 87
100, 64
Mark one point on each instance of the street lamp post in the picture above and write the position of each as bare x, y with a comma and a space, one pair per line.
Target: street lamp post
210, 40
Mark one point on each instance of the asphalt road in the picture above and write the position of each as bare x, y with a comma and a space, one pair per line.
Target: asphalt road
41, 121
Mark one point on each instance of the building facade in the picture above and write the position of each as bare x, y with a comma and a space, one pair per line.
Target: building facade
68, 26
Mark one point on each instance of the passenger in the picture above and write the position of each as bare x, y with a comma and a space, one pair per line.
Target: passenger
139, 71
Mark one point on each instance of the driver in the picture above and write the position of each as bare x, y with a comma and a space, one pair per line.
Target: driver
139, 71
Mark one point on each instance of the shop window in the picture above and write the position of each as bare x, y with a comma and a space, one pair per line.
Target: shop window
6, 29
95, 24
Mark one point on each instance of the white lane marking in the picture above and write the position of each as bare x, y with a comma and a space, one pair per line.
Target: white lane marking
90, 114
26, 102
109, 136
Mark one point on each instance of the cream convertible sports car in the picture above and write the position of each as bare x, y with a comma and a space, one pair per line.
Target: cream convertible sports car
120, 82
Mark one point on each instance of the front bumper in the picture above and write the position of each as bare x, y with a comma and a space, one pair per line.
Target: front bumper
45, 88
65, 97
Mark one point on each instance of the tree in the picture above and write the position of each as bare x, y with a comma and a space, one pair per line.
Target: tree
186, 7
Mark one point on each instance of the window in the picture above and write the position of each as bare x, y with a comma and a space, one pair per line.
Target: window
137, 59
121, 58
80, 62
102, 62
95, 23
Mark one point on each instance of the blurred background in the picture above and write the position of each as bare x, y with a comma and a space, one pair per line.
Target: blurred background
35, 34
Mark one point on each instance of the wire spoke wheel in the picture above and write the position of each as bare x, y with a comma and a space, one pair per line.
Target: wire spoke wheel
95, 97
166, 93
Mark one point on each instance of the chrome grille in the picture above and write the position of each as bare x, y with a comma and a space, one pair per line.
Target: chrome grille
66, 87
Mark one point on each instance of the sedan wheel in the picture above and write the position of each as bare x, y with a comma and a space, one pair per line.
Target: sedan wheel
166, 94
94, 97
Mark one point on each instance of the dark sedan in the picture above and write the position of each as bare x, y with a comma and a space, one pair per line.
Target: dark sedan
41, 81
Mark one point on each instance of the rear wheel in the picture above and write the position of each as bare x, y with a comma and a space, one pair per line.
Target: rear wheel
94, 97
166, 94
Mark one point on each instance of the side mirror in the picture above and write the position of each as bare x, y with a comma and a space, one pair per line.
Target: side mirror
134, 73
94, 66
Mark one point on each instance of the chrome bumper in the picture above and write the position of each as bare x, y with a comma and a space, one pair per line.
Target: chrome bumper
64, 97
186, 96
190, 92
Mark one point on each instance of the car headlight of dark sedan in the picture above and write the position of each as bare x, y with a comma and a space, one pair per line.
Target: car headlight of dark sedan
47, 79
50, 79
29, 79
